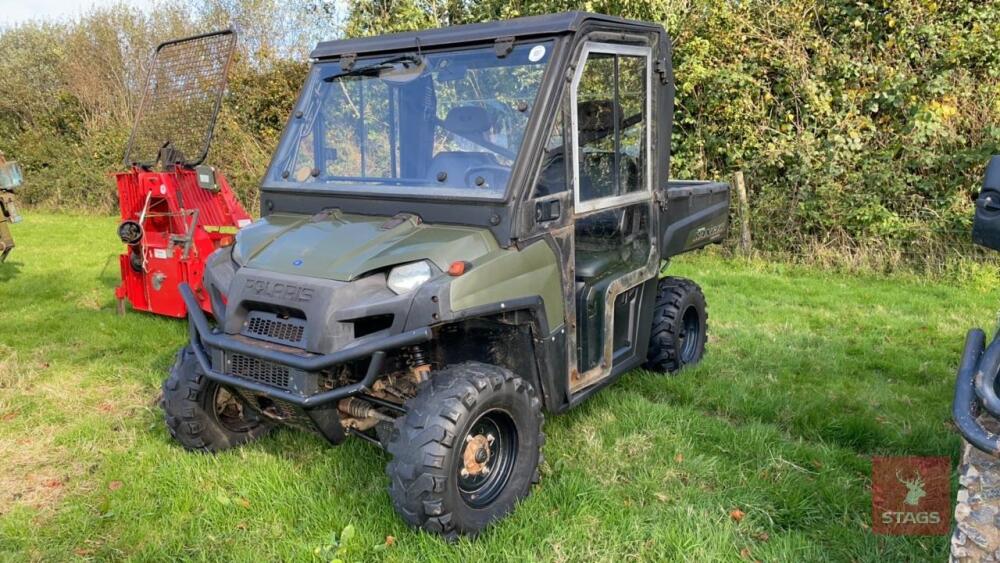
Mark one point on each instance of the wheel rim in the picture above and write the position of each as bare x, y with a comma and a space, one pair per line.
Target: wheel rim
486, 462
689, 335
229, 411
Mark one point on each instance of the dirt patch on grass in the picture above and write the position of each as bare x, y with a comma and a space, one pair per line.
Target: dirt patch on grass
92, 300
42, 421
37, 472
10, 375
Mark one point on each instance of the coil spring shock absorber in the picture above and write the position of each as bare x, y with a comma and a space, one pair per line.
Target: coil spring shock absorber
416, 360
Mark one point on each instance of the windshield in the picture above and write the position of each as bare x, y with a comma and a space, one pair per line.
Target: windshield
441, 123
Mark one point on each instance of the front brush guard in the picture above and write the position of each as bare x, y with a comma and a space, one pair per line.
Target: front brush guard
975, 386
319, 407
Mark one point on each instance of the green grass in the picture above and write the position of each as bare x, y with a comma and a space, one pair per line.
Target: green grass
808, 374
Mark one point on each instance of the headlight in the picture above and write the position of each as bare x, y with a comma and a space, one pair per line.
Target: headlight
406, 278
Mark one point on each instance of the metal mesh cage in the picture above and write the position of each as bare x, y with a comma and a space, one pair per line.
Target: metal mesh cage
181, 102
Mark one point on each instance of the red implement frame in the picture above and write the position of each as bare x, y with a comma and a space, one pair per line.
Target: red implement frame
182, 224
174, 218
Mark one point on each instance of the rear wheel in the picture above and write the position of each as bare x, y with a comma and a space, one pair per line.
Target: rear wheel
680, 324
467, 450
203, 415
976, 537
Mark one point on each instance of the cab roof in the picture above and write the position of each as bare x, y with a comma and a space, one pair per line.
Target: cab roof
530, 26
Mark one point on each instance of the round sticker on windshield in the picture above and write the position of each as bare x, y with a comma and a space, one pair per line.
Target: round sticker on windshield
536, 53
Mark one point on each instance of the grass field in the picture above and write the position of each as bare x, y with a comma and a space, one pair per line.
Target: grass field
808, 374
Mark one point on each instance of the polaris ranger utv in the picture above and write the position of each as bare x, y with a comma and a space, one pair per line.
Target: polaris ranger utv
976, 411
462, 228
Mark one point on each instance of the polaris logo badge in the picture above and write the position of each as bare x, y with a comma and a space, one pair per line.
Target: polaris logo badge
280, 290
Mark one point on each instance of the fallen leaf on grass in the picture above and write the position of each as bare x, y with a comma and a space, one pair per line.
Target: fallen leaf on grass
737, 514
115, 485
389, 540
679, 458
763, 536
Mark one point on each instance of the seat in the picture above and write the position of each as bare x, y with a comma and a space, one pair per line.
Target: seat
598, 243
590, 265
596, 121
448, 168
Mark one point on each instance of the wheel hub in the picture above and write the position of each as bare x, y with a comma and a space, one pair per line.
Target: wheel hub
486, 458
476, 456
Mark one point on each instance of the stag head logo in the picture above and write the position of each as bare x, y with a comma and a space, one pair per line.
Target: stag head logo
914, 488
911, 495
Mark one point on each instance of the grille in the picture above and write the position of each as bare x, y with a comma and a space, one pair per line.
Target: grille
259, 370
269, 326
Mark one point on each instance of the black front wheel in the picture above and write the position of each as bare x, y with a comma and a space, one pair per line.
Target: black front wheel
467, 450
203, 415
680, 325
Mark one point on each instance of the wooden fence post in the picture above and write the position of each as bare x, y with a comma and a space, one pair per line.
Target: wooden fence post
741, 193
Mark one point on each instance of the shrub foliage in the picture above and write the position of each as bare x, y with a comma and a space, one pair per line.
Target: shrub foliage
858, 125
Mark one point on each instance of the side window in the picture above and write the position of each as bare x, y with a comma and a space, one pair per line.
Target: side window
611, 125
596, 126
557, 137
552, 173
632, 156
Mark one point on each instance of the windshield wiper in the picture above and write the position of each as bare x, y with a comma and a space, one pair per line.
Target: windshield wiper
375, 68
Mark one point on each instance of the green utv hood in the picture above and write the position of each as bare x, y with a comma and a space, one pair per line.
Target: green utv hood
337, 246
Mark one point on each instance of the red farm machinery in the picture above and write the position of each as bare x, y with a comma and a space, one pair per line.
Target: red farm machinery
175, 210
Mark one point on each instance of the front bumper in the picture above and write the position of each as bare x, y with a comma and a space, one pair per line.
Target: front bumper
975, 387
319, 407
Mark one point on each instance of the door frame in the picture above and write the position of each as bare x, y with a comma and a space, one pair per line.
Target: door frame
580, 381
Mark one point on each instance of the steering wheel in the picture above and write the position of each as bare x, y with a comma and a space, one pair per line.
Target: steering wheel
487, 175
